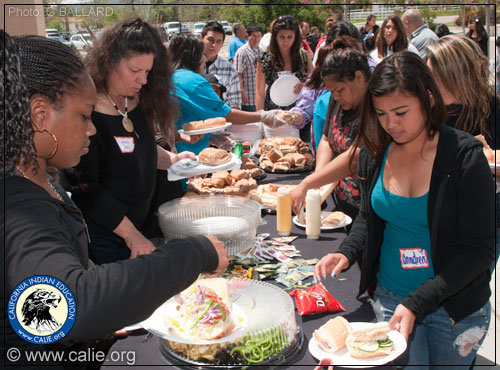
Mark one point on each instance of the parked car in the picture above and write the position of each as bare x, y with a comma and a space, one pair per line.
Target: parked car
185, 30
197, 28
52, 32
227, 27
81, 41
172, 28
60, 39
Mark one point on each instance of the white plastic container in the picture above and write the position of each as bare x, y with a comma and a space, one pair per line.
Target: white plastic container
250, 132
283, 131
313, 214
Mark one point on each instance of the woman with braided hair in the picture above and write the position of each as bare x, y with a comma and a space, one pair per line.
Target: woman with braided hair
116, 180
47, 109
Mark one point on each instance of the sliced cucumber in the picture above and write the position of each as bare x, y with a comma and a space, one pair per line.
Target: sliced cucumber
368, 346
386, 343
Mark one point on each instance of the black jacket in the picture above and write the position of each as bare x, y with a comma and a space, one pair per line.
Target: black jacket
45, 237
461, 215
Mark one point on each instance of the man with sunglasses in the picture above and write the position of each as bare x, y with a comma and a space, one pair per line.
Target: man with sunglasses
418, 32
213, 38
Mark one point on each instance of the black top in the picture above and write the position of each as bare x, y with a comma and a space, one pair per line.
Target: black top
492, 123
46, 237
118, 176
460, 211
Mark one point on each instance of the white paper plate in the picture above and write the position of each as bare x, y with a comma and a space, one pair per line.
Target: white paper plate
342, 357
157, 324
324, 214
178, 171
205, 130
281, 92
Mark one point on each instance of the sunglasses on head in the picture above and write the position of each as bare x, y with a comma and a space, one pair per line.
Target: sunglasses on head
287, 18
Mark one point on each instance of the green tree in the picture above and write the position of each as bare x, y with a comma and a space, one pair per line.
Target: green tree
54, 23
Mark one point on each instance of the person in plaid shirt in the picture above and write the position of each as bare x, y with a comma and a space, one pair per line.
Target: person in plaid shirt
213, 39
245, 62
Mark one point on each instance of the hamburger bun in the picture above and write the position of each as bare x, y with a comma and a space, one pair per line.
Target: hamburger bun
214, 156
332, 336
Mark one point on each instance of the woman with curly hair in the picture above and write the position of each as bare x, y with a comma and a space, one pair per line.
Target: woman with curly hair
49, 98
132, 74
284, 55
391, 39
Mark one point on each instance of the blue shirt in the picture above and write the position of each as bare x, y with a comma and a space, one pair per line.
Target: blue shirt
234, 45
405, 257
197, 101
319, 117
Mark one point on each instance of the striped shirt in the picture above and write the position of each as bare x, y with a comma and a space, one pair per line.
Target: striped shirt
245, 62
227, 76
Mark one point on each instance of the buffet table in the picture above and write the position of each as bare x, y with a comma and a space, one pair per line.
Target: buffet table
344, 288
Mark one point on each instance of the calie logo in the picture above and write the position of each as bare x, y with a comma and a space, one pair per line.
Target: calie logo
42, 309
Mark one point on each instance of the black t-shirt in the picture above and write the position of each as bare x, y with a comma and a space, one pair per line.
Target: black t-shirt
118, 176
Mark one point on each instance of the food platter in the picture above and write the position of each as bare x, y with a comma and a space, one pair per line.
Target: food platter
160, 324
342, 357
307, 168
206, 130
281, 91
324, 214
270, 319
181, 169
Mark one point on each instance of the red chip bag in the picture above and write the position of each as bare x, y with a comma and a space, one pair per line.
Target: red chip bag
315, 299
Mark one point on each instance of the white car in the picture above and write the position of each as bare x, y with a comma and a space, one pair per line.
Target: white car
81, 41
197, 28
227, 27
172, 28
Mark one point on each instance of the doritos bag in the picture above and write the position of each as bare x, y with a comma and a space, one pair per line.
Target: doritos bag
315, 299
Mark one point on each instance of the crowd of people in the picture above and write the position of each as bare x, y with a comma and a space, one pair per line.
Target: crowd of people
390, 112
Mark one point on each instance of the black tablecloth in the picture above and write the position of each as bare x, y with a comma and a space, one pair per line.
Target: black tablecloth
345, 291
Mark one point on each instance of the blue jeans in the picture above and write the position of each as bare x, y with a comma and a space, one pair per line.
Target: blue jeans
497, 237
436, 342
107, 249
249, 108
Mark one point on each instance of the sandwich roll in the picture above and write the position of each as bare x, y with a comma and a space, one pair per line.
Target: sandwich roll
371, 341
214, 156
201, 125
332, 336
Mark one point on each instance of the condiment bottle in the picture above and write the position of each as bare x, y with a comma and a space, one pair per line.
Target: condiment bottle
284, 212
313, 214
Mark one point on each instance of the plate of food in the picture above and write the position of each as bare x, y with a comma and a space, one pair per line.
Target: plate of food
281, 92
209, 160
201, 314
356, 344
204, 127
329, 220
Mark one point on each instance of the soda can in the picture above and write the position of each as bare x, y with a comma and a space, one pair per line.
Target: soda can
238, 149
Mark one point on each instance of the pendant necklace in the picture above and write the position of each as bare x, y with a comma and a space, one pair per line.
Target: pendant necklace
58, 196
126, 122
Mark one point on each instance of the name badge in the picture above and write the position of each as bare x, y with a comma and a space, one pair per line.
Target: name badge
126, 144
414, 258
284, 73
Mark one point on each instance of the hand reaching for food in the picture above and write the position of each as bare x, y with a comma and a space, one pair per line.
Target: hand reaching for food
332, 263
220, 248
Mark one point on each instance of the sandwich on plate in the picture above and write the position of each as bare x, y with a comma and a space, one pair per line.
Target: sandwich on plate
332, 336
214, 156
204, 311
370, 341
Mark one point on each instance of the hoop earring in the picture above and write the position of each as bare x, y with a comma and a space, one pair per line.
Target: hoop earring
55, 141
